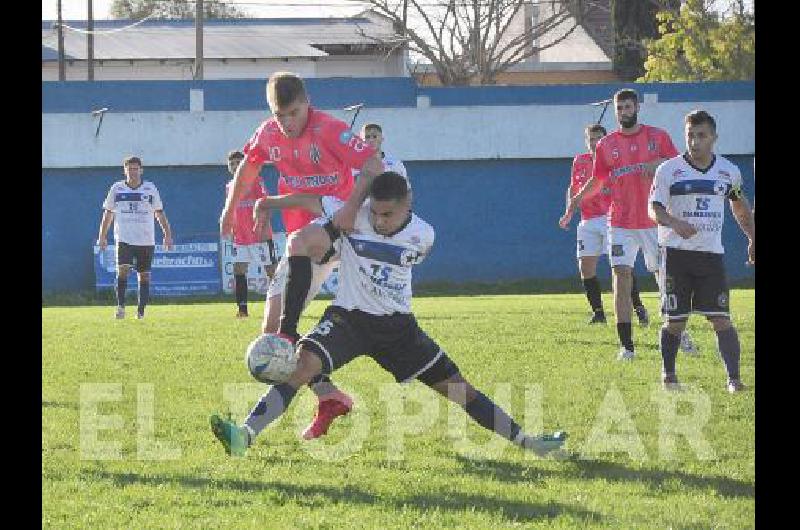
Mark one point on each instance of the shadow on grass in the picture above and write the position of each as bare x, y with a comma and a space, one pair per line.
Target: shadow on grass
305, 496
59, 405
610, 471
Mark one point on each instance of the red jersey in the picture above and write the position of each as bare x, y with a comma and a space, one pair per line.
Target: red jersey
318, 161
243, 233
618, 164
595, 204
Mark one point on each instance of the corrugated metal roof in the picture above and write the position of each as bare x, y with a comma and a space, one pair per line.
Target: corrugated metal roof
242, 39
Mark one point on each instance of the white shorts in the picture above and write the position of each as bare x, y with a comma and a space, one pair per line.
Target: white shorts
624, 244
257, 253
592, 236
319, 273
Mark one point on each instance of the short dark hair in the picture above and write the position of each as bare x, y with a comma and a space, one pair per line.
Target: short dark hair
373, 126
595, 127
284, 88
699, 117
235, 154
132, 160
389, 186
626, 93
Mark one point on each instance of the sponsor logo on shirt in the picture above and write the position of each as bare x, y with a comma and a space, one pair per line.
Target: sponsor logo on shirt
312, 181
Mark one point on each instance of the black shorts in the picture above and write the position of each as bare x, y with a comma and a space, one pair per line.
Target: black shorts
141, 254
694, 282
395, 342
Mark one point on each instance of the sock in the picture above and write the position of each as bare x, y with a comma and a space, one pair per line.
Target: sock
637, 301
729, 349
122, 285
269, 408
490, 416
240, 288
322, 385
298, 282
669, 350
144, 295
625, 335
592, 288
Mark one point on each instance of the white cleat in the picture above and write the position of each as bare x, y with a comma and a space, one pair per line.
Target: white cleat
687, 344
625, 354
735, 385
120, 314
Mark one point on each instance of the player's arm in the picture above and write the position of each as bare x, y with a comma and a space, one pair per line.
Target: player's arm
345, 218
592, 186
563, 222
105, 223
246, 174
165, 228
744, 217
659, 214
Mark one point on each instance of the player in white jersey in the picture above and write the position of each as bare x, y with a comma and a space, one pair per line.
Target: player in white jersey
132, 204
372, 133
371, 316
687, 200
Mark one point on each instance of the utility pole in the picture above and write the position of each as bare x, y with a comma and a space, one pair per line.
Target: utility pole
198, 29
90, 43
61, 75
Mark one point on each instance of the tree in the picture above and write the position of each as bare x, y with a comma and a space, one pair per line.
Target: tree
469, 41
698, 44
635, 21
138, 9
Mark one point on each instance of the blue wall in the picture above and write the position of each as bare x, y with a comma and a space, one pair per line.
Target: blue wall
494, 220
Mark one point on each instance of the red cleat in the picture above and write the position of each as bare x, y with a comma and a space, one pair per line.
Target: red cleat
334, 405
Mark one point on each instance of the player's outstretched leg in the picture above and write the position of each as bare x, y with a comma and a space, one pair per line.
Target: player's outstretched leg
237, 438
489, 416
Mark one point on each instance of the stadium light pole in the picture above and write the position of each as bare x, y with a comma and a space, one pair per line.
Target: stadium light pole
61, 74
90, 43
198, 30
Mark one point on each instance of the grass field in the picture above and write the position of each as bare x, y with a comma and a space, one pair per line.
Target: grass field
149, 386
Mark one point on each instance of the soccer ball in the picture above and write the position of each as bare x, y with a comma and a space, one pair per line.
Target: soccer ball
271, 358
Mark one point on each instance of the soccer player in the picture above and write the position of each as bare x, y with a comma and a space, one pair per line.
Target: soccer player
132, 204
313, 153
373, 135
248, 244
687, 201
592, 232
372, 316
626, 161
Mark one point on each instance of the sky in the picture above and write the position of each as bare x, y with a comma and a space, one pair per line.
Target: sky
77, 9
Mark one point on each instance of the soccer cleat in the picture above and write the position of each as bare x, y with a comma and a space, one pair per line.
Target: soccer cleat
242, 313
735, 385
598, 317
120, 314
328, 409
670, 382
644, 317
233, 437
625, 354
140, 315
687, 344
545, 443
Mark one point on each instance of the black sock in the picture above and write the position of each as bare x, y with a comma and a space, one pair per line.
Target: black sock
144, 295
592, 288
637, 301
669, 344
490, 416
240, 288
298, 282
625, 334
729, 350
122, 286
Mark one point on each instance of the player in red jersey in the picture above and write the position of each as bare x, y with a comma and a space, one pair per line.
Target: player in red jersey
313, 152
625, 161
249, 245
592, 234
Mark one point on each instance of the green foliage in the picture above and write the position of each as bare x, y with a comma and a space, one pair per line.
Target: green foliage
138, 9
698, 44
191, 353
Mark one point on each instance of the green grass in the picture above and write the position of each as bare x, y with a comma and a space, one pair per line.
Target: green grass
356, 477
